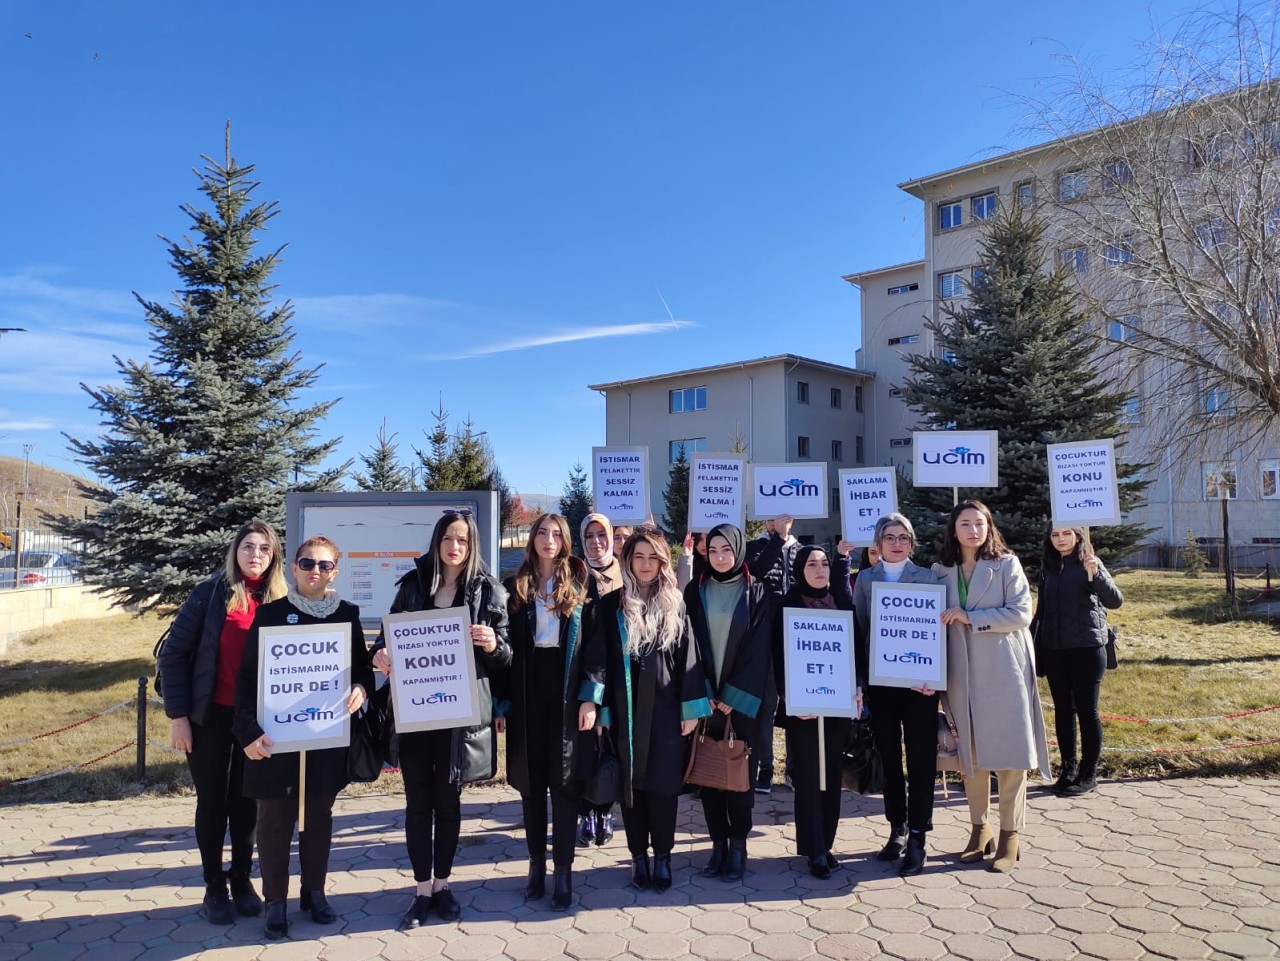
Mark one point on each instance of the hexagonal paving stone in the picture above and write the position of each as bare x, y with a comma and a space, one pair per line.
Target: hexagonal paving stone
474, 947
1042, 947
596, 947
782, 947
897, 921
1083, 921
838, 922
534, 947
1145, 920
1240, 945
719, 947
913, 947
847, 947
1176, 946
978, 947
1021, 921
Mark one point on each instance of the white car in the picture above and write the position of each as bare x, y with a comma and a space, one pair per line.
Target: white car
39, 569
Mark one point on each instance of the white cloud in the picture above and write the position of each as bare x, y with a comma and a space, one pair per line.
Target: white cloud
571, 335
42, 423
358, 312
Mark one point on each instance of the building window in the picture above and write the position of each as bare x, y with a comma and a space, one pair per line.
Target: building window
903, 289
1072, 184
1076, 260
1116, 175
983, 206
802, 446
1131, 412
1269, 479
1025, 194
907, 339
1210, 234
1217, 400
1119, 253
837, 398
689, 399
947, 355
895, 391
900, 442
979, 274
802, 391
857, 449
951, 284
837, 450
857, 398
690, 446
1207, 152
950, 215
1219, 480
835, 500
1123, 329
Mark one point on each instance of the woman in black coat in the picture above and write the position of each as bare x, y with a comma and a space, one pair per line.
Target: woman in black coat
273, 780
1070, 631
198, 666
656, 692
551, 699
435, 764
734, 623
815, 585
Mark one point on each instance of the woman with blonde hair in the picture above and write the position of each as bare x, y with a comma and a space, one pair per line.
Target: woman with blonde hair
198, 665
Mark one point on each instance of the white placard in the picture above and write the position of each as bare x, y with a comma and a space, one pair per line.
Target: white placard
956, 458
908, 641
433, 669
620, 478
796, 489
820, 672
304, 675
1082, 483
717, 489
866, 495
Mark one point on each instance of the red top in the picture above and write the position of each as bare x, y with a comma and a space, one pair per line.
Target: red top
235, 631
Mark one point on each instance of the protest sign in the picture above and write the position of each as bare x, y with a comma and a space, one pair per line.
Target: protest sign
620, 483
818, 648
866, 495
956, 458
433, 669
1082, 483
908, 639
796, 489
304, 676
717, 484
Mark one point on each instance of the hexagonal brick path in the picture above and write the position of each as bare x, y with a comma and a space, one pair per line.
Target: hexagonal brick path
1175, 869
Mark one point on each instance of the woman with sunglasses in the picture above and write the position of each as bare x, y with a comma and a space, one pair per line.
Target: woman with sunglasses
435, 764
551, 698
198, 665
273, 780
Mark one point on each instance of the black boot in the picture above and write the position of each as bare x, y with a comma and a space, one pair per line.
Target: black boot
1083, 783
417, 914
604, 828
818, 866
537, 884
662, 872
561, 889
735, 865
586, 829
277, 920
1069, 771
896, 844
913, 863
640, 876
318, 905
715, 864
243, 896
217, 906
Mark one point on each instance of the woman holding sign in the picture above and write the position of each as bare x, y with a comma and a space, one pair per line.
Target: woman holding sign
551, 697
815, 586
274, 780
903, 720
436, 764
734, 623
991, 679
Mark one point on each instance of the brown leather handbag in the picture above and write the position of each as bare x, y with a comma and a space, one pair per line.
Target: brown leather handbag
722, 764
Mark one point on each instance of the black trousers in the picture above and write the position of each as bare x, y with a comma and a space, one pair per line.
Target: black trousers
430, 801
764, 724
817, 812
216, 761
651, 820
1075, 680
544, 744
901, 717
277, 817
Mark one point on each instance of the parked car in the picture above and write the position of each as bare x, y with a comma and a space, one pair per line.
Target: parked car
39, 569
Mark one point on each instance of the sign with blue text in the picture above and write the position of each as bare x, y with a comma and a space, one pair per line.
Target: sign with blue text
717, 491
304, 676
1082, 483
956, 458
799, 490
433, 669
866, 495
620, 483
819, 665
908, 639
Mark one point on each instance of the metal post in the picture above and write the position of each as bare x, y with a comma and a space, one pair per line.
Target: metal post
141, 769
1268, 588
1227, 570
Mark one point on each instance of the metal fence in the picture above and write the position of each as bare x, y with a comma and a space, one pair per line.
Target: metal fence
38, 558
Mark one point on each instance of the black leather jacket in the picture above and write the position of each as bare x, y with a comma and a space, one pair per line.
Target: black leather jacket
1069, 612
188, 661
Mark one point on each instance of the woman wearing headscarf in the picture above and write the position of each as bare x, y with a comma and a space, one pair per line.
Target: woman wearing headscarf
734, 624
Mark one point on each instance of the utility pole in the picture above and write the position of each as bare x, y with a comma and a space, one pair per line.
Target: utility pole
26, 467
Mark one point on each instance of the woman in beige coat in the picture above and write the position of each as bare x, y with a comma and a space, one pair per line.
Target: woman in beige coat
991, 678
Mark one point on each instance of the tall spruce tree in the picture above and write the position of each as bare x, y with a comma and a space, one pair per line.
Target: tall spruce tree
1018, 358
676, 498
206, 435
575, 504
439, 470
385, 472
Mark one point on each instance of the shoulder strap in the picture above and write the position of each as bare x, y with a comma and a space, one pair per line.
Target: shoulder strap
159, 646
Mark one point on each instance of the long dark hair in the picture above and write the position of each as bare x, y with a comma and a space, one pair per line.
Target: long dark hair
990, 549
1052, 560
471, 567
569, 588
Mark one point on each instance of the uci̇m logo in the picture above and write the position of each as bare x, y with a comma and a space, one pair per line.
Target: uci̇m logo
303, 717
911, 657
439, 697
955, 456
820, 690
792, 488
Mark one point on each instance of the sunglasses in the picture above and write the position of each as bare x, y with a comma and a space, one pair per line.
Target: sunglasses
310, 564
648, 529
460, 511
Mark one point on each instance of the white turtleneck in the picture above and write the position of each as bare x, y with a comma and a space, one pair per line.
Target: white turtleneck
893, 570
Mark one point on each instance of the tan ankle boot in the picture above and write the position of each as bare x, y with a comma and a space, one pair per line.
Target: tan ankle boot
1007, 852
981, 842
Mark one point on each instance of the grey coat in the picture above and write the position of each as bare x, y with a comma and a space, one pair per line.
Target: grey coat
991, 678
911, 574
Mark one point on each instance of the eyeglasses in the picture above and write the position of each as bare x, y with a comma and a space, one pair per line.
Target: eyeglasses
247, 548
310, 564
896, 538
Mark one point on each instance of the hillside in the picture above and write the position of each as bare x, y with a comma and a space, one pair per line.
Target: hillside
52, 492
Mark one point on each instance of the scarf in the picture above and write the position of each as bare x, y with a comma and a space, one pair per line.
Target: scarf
318, 609
737, 544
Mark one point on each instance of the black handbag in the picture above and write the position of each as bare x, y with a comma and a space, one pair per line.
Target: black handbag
861, 770
1112, 661
367, 754
603, 785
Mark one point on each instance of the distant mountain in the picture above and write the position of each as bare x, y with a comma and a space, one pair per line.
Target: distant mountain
52, 492
546, 503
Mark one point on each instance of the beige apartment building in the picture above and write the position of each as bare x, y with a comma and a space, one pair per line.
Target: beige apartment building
779, 409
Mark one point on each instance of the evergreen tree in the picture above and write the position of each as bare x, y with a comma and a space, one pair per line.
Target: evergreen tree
385, 473
439, 471
206, 435
471, 460
1020, 362
575, 504
508, 500
676, 498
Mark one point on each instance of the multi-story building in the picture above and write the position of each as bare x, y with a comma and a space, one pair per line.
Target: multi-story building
779, 409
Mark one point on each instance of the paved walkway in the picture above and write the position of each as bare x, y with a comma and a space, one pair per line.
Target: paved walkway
1176, 869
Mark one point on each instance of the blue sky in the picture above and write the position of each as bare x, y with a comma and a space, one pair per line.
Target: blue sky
483, 199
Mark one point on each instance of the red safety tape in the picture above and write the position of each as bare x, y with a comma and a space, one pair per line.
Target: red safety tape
68, 770
1185, 750
1183, 720
68, 727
